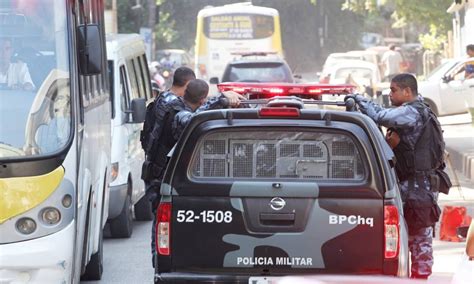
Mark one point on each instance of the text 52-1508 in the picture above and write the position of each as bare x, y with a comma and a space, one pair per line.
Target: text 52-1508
206, 216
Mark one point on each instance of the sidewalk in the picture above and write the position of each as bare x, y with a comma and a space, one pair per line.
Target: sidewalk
459, 138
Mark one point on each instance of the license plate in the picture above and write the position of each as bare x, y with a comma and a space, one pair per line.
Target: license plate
263, 280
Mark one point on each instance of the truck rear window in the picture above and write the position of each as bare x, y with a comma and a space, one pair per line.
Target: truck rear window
260, 154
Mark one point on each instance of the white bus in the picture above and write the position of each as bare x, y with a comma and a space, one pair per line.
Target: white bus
225, 31
54, 140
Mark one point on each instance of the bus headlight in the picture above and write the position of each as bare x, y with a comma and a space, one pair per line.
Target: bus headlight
50, 216
26, 226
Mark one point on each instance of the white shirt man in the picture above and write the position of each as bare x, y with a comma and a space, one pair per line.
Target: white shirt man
17, 75
391, 61
14, 75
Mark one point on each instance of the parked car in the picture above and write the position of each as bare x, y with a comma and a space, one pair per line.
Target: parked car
333, 59
130, 89
256, 67
365, 76
447, 91
279, 190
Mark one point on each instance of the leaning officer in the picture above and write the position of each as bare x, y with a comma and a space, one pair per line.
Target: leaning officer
406, 127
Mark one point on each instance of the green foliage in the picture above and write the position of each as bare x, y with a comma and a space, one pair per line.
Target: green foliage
165, 33
433, 40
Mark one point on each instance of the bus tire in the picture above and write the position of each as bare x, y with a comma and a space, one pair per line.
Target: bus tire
95, 267
122, 225
143, 210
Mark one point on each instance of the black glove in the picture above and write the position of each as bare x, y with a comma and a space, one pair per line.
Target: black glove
224, 101
351, 102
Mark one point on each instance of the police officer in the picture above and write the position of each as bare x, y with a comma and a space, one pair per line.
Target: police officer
406, 126
173, 118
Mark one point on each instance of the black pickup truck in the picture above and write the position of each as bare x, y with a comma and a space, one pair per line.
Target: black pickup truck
251, 194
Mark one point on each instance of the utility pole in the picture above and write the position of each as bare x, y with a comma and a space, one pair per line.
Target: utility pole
151, 24
110, 15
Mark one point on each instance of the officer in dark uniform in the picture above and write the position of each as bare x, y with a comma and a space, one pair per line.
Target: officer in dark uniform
168, 128
406, 125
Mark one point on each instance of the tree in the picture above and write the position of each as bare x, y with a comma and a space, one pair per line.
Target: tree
428, 20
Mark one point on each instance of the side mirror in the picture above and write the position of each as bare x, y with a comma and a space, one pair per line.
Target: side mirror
90, 49
462, 231
214, 80
138, 110
446, 79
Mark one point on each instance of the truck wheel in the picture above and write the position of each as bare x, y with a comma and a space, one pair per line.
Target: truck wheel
122, 225
143, 210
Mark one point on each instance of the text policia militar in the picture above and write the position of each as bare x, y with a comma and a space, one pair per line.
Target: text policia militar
299, 261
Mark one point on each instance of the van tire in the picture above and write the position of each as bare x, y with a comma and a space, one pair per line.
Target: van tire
143, 209
122, 225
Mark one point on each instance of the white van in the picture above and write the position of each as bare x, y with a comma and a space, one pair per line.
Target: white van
130, 88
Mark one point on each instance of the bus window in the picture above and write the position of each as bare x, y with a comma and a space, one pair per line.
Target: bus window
238, 26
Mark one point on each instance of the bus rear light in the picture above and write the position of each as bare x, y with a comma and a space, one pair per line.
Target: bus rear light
163, 228
279, 112
391, 231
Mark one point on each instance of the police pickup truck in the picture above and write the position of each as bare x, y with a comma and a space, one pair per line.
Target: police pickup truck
258, 193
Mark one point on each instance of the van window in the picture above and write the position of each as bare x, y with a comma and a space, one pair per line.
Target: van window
145, 75
125, 98
110, 74
139, 77
260, 154
133, 80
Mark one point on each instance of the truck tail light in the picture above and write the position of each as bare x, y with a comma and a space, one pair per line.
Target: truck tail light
163, 229
391, 231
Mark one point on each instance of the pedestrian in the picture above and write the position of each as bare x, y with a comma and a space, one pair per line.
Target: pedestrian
468, 67
168, 129
416, 138
391, 61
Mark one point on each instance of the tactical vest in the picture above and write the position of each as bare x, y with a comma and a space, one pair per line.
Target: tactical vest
163, 142
428, 151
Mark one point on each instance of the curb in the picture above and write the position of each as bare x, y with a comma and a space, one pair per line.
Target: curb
464, 162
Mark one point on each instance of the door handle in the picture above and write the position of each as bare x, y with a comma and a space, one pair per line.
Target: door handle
277, 219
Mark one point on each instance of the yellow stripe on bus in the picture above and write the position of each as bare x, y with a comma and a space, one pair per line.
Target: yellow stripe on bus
18, 195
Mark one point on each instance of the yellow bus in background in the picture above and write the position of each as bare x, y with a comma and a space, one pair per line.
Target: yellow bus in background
225, 31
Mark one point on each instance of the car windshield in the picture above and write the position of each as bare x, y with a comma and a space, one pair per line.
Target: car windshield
258, 72
354, 72
35, 108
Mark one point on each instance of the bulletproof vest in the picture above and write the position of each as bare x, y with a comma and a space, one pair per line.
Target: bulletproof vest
428, 152
163, 144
